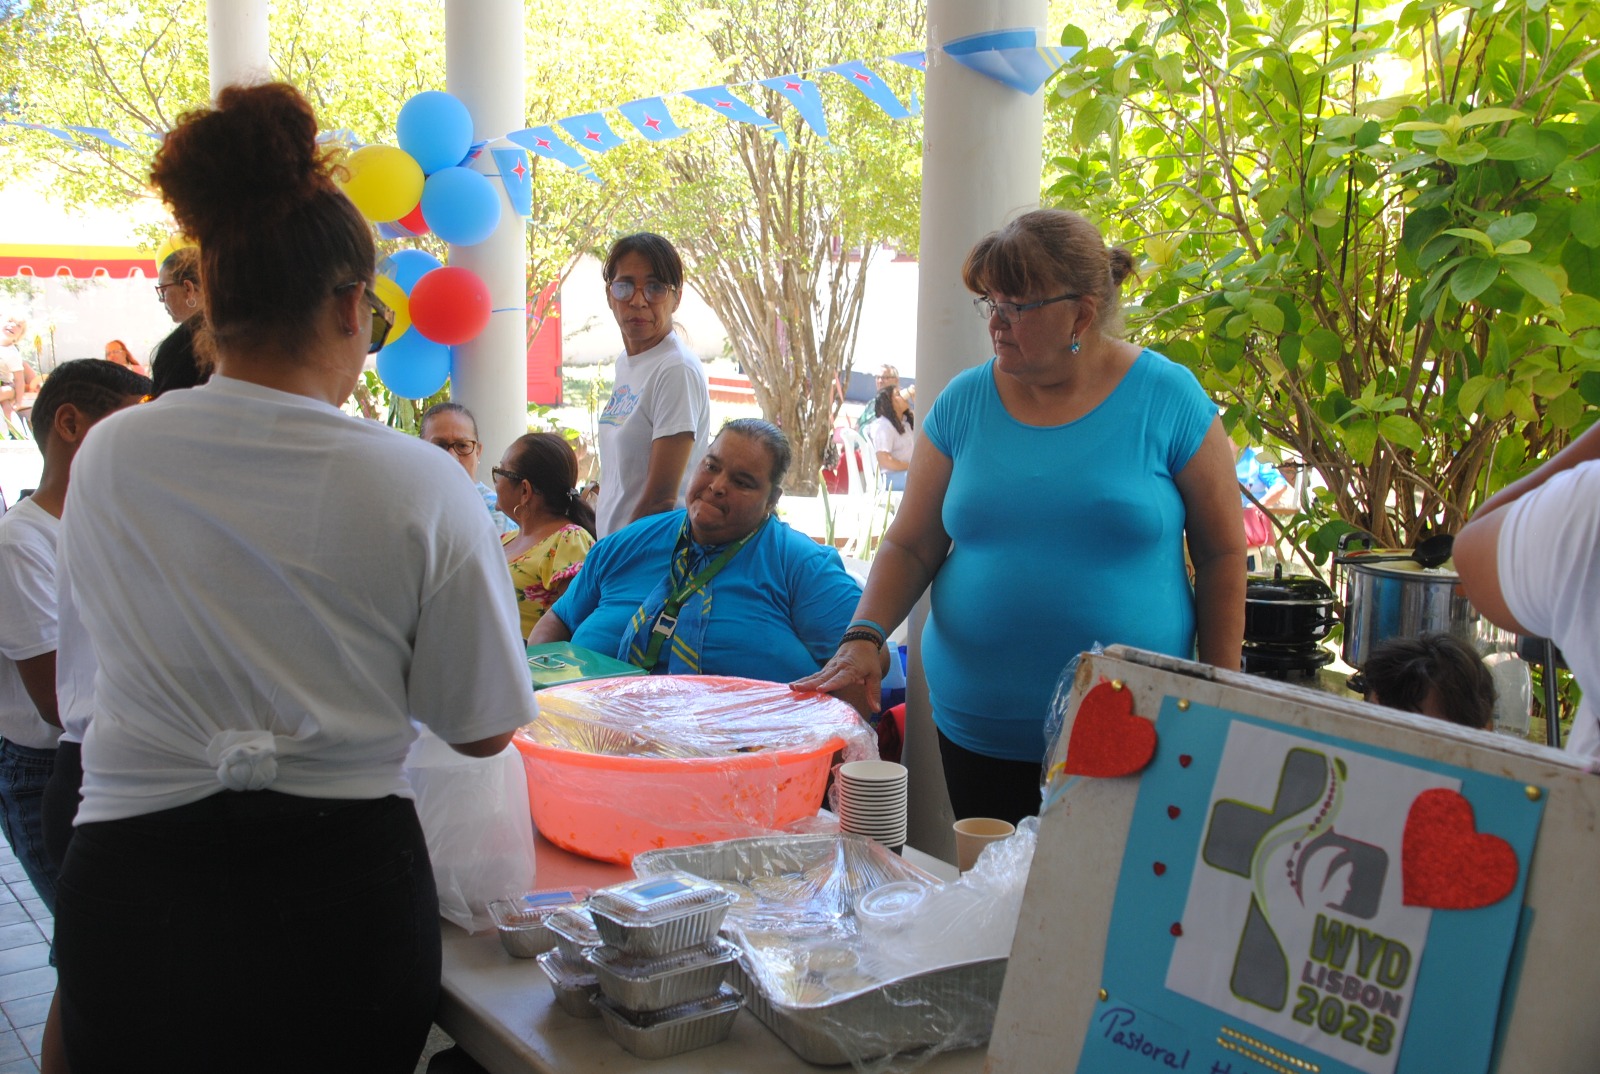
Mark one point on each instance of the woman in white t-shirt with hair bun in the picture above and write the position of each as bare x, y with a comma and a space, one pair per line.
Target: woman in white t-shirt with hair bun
892, 435
272, 605
657, 423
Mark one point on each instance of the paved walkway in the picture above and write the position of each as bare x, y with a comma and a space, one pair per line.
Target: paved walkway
27, 981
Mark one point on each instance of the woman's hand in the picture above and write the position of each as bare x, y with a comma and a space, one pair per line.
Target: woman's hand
853, 674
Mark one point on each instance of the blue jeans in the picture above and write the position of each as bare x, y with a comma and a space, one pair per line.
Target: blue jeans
23, 773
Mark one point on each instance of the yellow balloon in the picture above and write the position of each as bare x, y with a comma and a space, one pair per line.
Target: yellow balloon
390, 295
170, 245
384, 182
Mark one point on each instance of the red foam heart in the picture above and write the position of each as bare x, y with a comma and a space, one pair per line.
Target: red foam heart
1445, 863
1107, 738
1159, 867
1184, 760
1173, 811
1177, 928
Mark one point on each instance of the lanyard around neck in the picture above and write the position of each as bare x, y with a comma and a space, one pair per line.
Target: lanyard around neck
667, 622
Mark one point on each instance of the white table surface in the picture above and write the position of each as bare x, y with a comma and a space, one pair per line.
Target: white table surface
501, 1010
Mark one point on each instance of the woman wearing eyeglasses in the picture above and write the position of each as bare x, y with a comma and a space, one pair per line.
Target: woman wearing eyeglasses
272, 605
658, 420
1055, 488
536, 482
175, 363
117, 351
451, 426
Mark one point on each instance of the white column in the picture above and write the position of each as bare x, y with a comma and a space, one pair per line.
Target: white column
982, 159
484, 69
236, 33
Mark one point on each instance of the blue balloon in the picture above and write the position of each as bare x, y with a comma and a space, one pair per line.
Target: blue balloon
414, 366
461, 206
406, 267
436, 129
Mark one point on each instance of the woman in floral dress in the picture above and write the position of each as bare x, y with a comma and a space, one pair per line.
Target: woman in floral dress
535, 486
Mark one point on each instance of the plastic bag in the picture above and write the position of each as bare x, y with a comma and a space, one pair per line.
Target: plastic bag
474, 813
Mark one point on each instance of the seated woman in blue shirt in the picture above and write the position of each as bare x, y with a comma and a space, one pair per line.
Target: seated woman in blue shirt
721, 587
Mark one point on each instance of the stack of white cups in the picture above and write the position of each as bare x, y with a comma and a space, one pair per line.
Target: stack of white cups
870, 798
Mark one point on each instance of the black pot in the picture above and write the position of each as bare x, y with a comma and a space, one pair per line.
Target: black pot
1290, 612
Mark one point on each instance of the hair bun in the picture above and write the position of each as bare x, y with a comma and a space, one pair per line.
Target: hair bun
247, 162
1121, 264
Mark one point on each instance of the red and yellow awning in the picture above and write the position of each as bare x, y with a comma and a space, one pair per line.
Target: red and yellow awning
82, 262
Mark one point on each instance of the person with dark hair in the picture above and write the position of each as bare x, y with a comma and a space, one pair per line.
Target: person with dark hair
892, 435
658, 420
176, 362
117, 351
537, 481
645, 594
249, 734
74, 397
451, 426
1059, 484
1434, 674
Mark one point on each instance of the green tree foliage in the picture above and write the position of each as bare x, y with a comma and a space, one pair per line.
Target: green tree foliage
780, 241
1375, 235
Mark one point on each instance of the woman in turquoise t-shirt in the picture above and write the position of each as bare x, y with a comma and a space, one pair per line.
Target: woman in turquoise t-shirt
1051, 497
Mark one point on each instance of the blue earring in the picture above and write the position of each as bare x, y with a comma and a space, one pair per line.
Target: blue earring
1076, 346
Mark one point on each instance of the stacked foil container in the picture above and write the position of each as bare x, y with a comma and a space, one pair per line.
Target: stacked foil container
660, 965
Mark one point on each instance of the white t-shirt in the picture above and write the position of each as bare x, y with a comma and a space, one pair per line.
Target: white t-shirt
659, 392
27, 616
883, 437
11, 359
274, 589
75, 670
1549, 566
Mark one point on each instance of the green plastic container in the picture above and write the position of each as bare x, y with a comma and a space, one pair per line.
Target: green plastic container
556, 663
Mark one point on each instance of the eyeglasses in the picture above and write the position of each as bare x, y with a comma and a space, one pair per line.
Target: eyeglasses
510, 475
382, 315
456, 447
654, 290
1011, 312
161, 288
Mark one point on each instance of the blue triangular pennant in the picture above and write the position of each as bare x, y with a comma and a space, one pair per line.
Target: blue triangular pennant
806, 98
650, 117
721, 101
547, 143
855, 72
102, 134
1011, 57
512, 166
590, 131
917, 60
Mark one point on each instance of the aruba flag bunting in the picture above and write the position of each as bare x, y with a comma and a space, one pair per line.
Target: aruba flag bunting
724, 103
1011, 57
547, 143
650, 117
590, 131
803, 94
916, 60
855, 72
512, 166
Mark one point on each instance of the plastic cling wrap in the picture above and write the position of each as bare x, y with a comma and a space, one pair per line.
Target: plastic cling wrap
619, 766
852, 955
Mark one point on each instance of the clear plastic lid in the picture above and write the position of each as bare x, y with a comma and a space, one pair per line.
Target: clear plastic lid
575, 925
535, 907
565, 974
651, 900
643, 969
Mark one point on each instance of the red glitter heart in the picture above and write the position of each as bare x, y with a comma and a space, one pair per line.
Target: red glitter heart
1173, 811
1160, 868
1445, 863
1107, 738
1176, 929
1184, 760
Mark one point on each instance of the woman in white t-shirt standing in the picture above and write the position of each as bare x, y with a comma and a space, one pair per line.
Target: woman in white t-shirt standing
658, 420
893, 434
271, 606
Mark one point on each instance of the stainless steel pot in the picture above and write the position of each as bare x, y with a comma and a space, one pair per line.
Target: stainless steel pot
1401, 599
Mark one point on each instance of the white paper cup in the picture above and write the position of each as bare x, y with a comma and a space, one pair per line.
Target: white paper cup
975, 833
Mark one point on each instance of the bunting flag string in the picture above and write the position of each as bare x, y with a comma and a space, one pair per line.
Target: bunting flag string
1016, 58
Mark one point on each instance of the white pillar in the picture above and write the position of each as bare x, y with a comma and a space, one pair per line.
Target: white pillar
982, 160
484, 69
236, 32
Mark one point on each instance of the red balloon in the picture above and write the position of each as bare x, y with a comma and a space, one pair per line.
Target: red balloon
450, 305
413, 221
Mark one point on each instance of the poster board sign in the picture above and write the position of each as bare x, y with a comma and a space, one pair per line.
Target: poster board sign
1299, 883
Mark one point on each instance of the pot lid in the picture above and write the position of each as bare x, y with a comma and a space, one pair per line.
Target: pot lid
1280, 587
1404, 568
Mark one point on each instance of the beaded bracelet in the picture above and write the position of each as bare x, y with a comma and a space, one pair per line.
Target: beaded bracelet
858, 634
870, 625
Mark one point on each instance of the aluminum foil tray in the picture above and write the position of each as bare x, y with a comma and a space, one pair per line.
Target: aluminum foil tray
676, 1029
949, 1008
574, 986
650, 984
